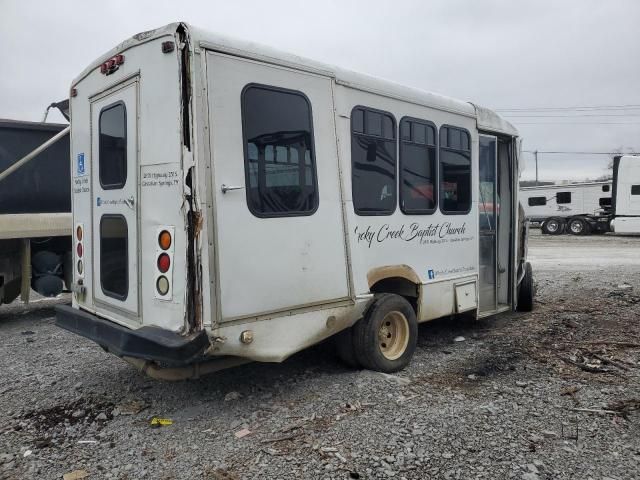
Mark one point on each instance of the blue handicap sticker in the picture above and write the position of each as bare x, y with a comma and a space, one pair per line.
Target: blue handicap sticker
80, 169
98, 201
432, 274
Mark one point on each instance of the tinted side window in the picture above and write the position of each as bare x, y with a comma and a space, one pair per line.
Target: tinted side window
537, 201
112, 154
605, 188
280, 170
114, 256
563, 197
373, 161
635, 189
455, 170
418, 191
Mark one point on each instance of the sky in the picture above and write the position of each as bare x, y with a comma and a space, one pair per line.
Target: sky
543, 64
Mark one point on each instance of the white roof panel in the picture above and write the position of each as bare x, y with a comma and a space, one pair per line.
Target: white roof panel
487, 120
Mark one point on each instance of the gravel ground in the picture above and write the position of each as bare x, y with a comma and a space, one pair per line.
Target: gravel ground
546, 395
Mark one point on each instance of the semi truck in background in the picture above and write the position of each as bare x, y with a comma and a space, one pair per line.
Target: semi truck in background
588, 208
625, 205
35, 208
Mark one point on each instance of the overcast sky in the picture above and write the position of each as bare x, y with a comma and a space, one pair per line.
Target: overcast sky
501, 54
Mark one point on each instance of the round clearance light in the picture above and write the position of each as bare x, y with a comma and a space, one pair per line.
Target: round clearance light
162, 285
164, 240
80, 267
79, 250
79, 233
164, 262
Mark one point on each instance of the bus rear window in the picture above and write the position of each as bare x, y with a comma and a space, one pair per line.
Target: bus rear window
114, 256
112, 155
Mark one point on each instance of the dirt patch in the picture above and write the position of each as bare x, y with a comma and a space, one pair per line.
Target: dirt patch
60, 418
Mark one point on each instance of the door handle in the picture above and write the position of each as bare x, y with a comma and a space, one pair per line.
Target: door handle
227, 188
130, 202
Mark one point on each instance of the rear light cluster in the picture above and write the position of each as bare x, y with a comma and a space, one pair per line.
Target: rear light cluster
79, 242
111, 65
164, 263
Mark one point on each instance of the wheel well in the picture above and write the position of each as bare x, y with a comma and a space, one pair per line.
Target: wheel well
400, 286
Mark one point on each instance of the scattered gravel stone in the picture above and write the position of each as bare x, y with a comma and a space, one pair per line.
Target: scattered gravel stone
231, 396
456, 412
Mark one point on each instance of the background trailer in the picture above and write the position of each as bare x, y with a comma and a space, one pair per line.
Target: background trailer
35, 210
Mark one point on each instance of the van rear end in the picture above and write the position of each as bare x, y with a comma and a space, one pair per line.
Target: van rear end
134, 286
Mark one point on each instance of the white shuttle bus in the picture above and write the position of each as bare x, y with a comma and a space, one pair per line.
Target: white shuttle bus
232, 203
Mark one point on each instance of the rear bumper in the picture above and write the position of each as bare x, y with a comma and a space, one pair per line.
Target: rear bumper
148, 343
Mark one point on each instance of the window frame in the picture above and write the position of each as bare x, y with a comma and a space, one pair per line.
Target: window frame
352, 132
245, 150
113, 186
558, 202
537, 205
436, 184
106, 292
440, 179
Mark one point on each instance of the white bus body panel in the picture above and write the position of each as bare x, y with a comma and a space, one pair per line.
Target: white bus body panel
154, 152
435, 247
273, 264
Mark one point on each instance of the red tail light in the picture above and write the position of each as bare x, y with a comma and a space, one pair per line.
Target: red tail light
79, 250
164, 262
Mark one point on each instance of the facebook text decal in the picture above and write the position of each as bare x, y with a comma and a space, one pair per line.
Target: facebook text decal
432, 274
431, 234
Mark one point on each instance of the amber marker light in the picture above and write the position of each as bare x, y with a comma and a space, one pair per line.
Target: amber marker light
164, 240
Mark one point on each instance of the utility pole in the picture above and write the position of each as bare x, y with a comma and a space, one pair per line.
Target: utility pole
535, 153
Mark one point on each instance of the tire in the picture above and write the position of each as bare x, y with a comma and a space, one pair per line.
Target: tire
526, 290
578, 226
553, 226
343, 345
390, 316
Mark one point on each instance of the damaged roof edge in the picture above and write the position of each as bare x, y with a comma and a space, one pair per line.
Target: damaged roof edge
137, 39
491, 121
486, 119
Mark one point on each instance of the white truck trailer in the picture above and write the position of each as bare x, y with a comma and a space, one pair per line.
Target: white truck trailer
233, 203
585, 208
578, 208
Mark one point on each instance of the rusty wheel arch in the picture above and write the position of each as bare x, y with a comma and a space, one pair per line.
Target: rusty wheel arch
399, 279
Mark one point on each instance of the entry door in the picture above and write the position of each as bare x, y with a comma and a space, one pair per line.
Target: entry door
114, 177
278, 218
487, 211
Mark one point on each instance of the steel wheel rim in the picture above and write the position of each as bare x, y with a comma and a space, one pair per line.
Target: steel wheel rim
552, 226
576, 227
393, 335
